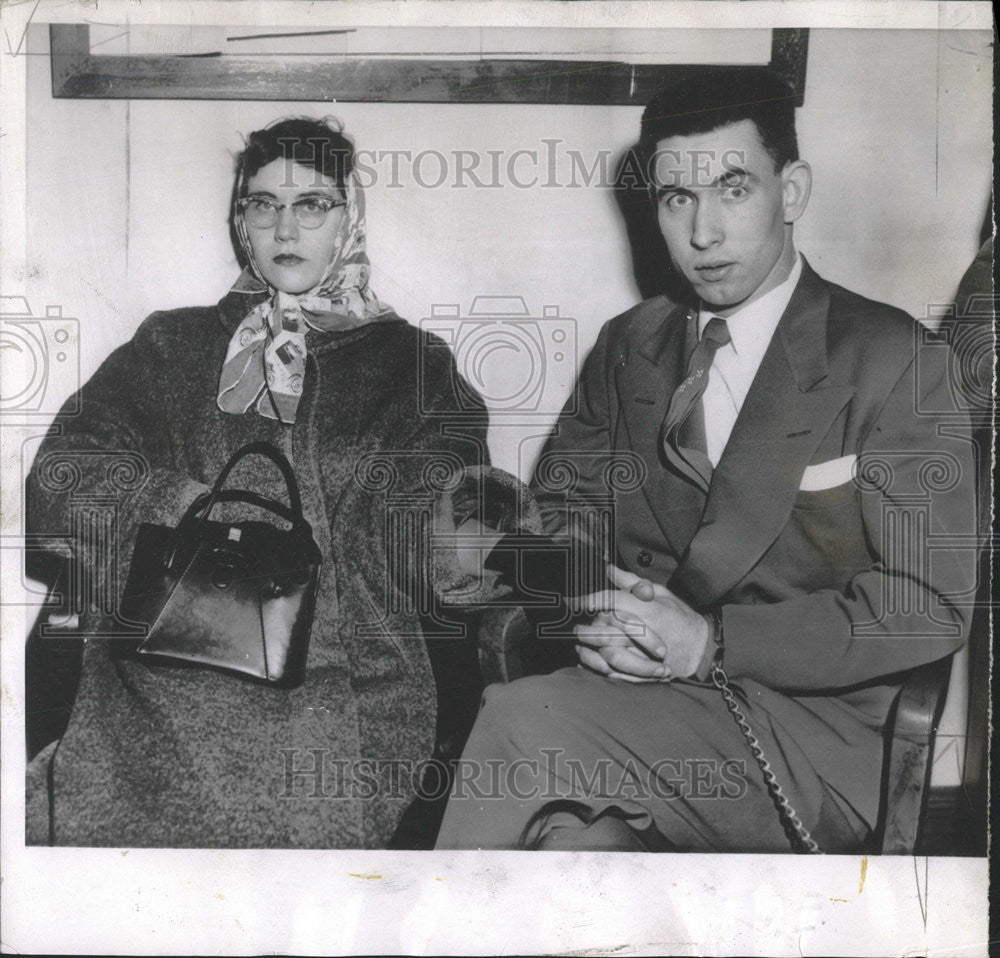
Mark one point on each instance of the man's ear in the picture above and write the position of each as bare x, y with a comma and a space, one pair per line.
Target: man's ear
796, 185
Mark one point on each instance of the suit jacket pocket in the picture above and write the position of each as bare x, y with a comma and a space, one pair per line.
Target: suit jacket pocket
824, 543
827, 498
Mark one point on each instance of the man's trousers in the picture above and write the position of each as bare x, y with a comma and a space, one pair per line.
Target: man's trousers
574, 760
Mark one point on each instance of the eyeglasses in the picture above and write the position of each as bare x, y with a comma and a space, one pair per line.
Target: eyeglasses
310, 212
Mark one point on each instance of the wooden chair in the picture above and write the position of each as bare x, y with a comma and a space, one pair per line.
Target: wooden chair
505, 635
906, 774
507, 651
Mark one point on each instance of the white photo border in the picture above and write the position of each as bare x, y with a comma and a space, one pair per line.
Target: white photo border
143, 901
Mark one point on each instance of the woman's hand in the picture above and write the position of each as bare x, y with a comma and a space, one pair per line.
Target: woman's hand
474, 553
458, 555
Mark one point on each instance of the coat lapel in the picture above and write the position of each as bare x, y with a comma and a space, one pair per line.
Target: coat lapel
645, 386
788, 410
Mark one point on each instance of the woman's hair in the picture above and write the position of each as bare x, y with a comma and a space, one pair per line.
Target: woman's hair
317, 144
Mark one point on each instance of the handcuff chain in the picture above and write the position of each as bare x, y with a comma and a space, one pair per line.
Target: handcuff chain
797, 833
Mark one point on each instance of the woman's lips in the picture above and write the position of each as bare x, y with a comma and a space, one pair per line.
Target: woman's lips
288, 259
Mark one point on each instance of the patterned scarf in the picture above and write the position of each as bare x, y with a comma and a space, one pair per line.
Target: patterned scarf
266, 359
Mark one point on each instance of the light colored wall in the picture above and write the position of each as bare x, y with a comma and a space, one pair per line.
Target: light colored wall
895, 126
127, 201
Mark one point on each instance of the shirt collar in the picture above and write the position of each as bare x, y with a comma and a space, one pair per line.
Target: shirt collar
752, 326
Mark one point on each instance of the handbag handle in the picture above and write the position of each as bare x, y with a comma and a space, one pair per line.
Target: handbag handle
261, 449
203, 505
241, 495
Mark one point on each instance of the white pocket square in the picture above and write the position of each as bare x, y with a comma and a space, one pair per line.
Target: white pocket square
826, 475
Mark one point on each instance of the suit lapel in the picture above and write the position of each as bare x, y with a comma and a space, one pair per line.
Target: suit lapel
788, 410
645, 386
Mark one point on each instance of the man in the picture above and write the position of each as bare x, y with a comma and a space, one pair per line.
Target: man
782, 428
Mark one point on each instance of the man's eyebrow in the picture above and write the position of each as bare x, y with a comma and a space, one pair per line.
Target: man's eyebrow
663, 188
736, 173
725, 178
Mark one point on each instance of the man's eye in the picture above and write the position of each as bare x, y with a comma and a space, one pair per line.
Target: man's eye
736, 192
676, 201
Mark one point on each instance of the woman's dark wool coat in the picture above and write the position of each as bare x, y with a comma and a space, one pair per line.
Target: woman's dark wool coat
158, 756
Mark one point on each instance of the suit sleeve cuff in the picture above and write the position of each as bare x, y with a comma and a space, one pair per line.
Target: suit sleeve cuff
712, 647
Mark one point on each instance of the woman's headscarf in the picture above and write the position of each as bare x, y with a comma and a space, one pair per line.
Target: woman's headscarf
266, 359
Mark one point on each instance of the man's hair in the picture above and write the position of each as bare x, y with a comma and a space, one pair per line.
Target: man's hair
711, 97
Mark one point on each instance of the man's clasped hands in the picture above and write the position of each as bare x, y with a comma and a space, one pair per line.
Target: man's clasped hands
642, 632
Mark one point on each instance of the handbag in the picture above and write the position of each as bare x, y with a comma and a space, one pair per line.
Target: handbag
232, 596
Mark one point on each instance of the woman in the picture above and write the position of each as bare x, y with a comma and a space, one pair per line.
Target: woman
300, 353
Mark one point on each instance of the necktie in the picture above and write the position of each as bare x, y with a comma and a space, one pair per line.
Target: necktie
689, 460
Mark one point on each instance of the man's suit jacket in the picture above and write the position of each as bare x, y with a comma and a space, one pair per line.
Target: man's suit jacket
824, 593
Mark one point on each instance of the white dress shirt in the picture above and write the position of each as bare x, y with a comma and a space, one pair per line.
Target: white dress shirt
735, 364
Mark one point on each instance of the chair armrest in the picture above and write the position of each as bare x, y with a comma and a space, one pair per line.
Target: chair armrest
502, 635
912, 725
